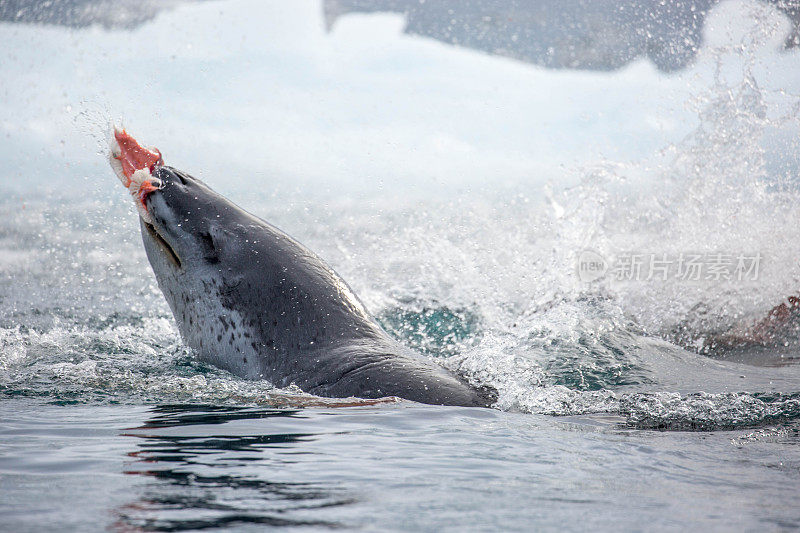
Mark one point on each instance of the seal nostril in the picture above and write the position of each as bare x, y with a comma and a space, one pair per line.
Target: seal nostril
181, 177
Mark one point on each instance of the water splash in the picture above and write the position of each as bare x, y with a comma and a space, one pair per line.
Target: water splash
486, 285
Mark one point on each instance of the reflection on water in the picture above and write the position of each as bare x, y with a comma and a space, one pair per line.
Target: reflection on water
394, 467
166, 416
207, 477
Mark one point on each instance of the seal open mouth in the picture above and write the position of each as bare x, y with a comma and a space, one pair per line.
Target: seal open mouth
133, 164
169, 252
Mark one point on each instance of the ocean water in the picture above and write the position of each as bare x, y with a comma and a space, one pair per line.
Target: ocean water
461, 194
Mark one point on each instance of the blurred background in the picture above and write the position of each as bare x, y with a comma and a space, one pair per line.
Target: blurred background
353, 96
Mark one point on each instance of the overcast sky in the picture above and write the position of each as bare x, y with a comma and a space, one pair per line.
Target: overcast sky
254, 92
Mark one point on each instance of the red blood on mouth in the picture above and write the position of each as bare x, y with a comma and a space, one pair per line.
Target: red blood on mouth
146, 188
133, 156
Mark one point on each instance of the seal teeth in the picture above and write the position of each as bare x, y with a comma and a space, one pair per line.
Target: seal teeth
143, 212
116, 166
113, 144
160, 157
115, 152
141, 184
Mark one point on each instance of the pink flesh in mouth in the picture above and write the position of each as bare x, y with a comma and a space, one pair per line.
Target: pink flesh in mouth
133, 156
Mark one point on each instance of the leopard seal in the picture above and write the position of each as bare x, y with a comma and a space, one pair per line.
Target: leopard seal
250, 299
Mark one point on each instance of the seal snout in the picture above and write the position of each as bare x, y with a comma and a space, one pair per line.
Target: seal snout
170, 175
179, 218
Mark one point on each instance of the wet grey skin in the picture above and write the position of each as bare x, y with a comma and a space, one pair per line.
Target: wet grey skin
251, 300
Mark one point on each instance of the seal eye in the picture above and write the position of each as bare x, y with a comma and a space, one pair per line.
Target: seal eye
209, 248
